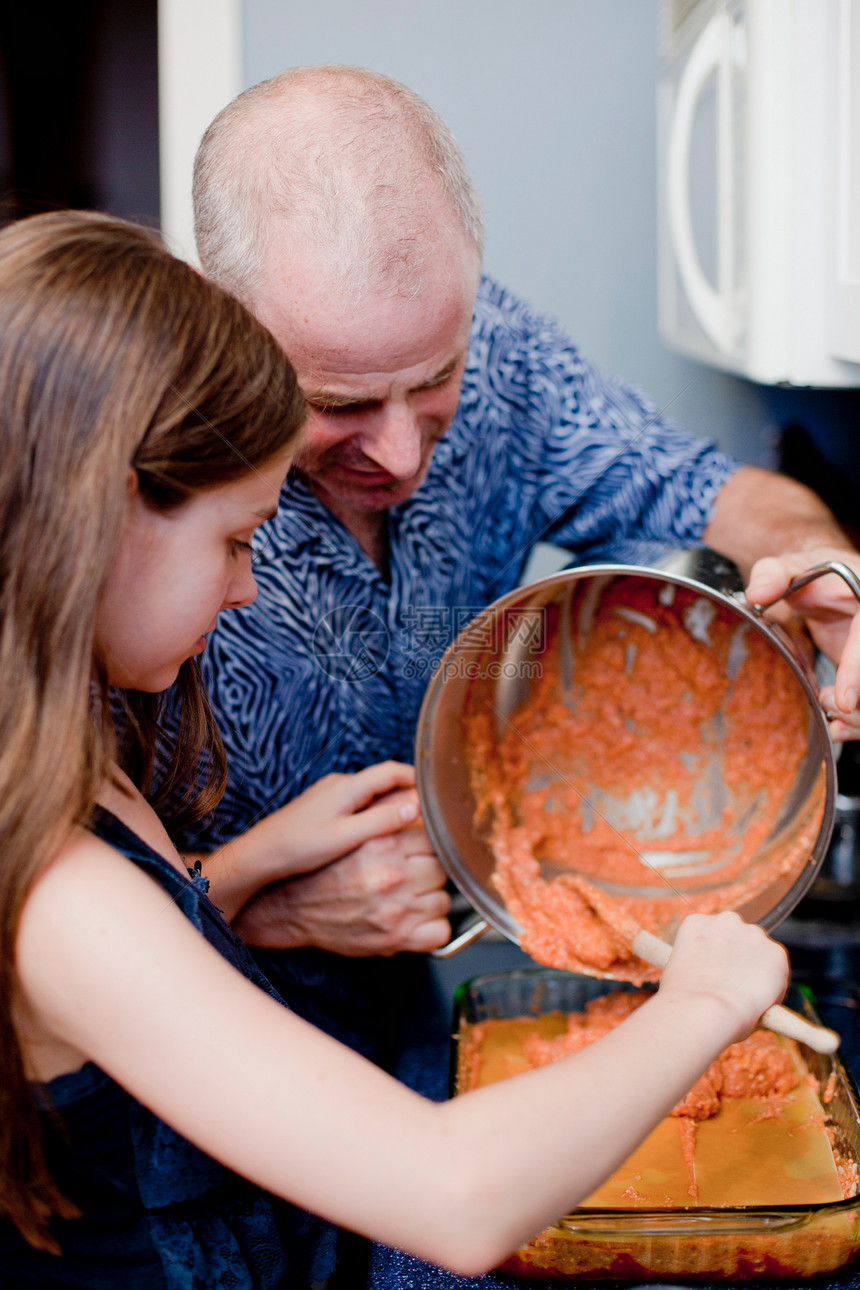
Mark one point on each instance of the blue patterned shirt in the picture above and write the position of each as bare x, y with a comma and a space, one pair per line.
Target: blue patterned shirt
327, 668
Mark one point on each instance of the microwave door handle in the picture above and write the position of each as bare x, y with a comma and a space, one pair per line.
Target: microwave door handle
711, 306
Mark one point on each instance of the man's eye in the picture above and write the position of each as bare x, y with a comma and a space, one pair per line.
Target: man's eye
439, 382
335, 410
327, 409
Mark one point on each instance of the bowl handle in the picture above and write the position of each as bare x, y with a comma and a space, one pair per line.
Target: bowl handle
469, 934
803, 579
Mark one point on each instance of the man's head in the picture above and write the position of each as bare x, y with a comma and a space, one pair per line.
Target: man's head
337, 205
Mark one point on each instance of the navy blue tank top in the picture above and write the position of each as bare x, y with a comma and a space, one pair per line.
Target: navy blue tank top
158, 1213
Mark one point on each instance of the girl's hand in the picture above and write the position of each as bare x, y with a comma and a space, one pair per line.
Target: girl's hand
720, 957
346, 866
334, 816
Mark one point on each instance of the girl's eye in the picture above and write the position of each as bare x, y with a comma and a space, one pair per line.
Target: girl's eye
239, 547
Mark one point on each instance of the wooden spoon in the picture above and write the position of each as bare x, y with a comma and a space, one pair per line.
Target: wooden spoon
778, 1018
652, 949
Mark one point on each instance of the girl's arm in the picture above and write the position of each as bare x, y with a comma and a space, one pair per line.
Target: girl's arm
109, 966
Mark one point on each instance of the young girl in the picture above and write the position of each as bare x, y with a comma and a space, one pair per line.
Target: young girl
159, 1103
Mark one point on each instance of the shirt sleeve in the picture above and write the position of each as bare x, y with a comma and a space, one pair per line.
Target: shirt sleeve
606, 474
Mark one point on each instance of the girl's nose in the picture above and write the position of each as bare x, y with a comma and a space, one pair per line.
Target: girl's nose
243, 587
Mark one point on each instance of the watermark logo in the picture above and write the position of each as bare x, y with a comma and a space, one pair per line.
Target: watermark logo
464, 668
351, 643
506, 645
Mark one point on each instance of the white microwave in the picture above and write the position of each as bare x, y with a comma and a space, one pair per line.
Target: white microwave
759, 187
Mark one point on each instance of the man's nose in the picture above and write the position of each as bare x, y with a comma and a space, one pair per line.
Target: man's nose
394, 443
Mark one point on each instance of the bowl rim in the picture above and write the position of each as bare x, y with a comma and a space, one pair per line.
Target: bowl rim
717, 569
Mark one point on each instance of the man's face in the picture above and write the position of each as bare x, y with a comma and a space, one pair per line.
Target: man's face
381, 377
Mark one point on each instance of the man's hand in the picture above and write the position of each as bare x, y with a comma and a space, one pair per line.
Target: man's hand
830, 614
383, 897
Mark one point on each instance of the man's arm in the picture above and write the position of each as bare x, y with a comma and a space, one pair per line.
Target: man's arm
758, 513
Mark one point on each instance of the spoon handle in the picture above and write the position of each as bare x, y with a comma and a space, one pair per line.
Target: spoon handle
782, 1020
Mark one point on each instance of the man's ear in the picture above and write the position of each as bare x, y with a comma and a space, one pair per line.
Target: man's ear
132, 484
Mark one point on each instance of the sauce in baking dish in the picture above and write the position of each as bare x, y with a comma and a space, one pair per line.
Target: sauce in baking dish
751, 1132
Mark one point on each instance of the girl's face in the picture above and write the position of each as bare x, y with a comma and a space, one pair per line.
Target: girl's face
175, 571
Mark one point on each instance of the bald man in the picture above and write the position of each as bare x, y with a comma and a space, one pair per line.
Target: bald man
450, 428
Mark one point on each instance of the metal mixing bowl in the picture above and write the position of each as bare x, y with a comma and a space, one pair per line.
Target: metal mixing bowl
498, 651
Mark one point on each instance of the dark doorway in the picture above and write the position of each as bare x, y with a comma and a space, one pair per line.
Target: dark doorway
79, 107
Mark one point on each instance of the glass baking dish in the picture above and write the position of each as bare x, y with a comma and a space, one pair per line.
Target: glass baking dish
736, 1244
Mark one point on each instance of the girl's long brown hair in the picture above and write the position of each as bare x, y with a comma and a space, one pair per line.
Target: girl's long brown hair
113, 355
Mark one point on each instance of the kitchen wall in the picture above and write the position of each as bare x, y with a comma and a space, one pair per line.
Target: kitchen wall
553, 103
